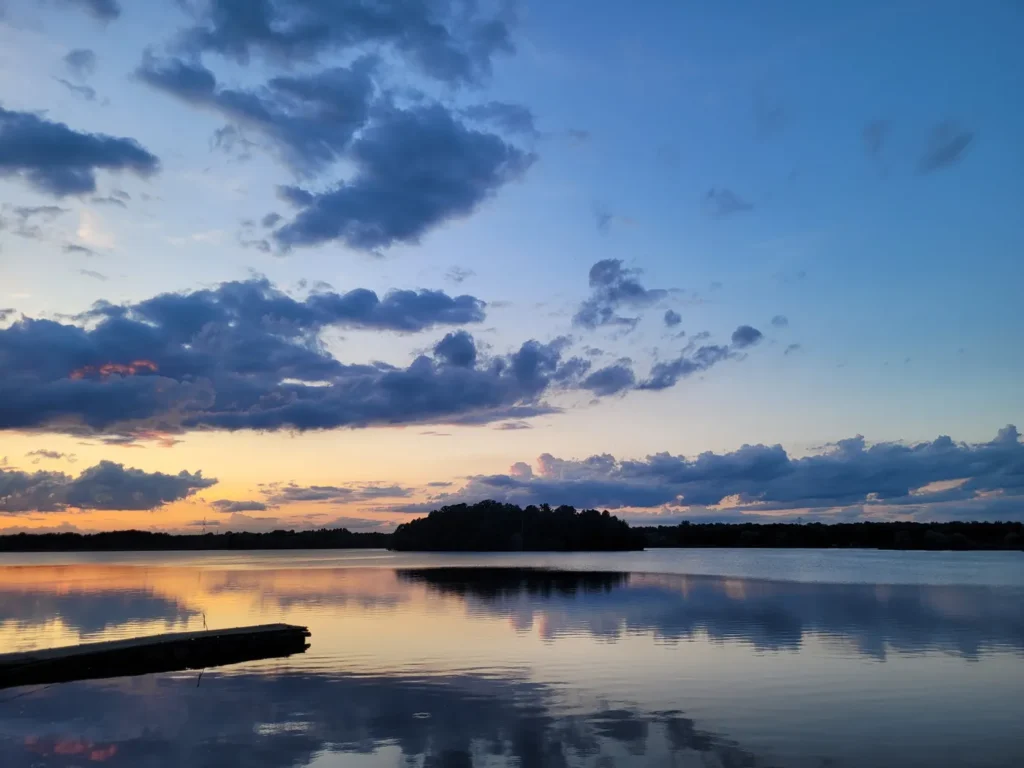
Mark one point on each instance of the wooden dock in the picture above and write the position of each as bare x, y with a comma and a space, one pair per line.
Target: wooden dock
158, 653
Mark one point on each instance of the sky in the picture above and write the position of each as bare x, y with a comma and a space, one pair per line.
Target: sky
300, 263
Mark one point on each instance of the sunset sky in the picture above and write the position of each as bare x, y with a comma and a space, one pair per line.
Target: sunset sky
304, 263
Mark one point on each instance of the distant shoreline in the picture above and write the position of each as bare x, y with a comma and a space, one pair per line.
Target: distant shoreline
506, 528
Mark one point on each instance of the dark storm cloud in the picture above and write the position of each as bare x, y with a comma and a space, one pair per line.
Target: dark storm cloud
247, 356
746, 336
104, 10
229, 506
945, 148
310, 119
107, 486
508, 118
414, 170
450, 41
780, 321
724, 202
83, 91
672, 318
792, 348
610, 380
81, 62
763, 477
60, 161
613, 287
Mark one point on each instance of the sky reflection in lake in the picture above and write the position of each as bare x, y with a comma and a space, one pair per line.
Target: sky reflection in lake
506, 666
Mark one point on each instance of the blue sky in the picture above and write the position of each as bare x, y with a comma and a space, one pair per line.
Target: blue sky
847, 180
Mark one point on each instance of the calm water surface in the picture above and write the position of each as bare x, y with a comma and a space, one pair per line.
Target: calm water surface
674, 658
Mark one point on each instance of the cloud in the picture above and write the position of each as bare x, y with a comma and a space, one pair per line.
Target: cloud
30, 221
43, 453
229, 506
693, 360
78, 249
458, 275
310, 119
724, 202
511, 426
109, 200
80, 62
613, 287
291, 493
792, 348
747, 336
761, 478
780, 321
945, 148
84, 91
450, 41
106, 486
512, 119
672, 318
610, 380
415, 169
53, 158
104, 10
245, 355
231, 140
92, 273
456, 348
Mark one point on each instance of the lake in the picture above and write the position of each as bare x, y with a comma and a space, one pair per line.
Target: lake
668, 657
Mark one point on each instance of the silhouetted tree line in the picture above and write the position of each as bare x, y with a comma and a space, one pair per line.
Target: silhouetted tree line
895, 535
493, 527
147, 541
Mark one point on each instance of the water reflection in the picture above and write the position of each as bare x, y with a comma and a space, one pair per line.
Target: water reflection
875, 620
509, 666
87, 601
291, 720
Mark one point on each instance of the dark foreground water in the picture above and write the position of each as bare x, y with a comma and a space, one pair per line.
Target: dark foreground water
671, 658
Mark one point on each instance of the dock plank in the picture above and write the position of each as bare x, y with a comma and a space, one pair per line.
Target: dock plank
156, 653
